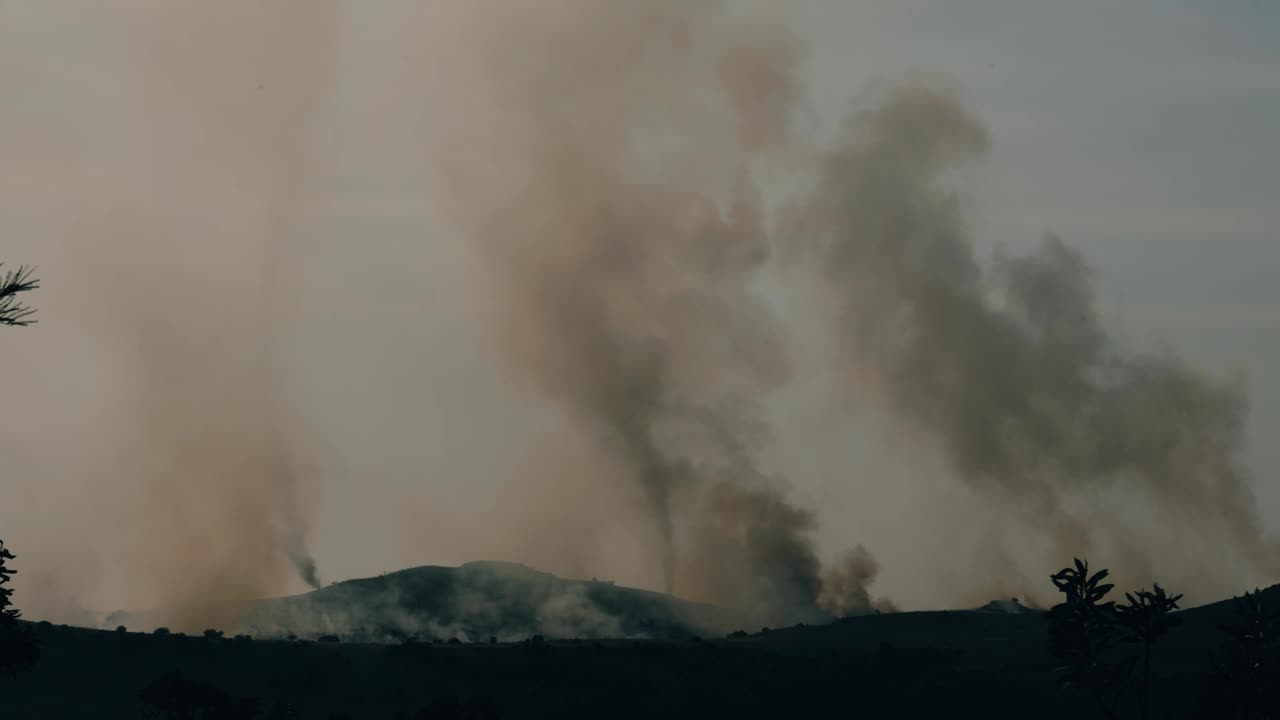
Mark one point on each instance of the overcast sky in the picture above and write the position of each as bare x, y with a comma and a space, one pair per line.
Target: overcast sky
1142, 131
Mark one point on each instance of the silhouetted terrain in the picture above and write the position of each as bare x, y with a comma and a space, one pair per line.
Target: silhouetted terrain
481, 600
992, 662
473, 602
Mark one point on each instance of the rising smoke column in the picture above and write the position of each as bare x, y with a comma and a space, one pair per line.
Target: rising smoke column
192, 267
600, 156
1010, 368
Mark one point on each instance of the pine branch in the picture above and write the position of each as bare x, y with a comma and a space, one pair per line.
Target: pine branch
12, 283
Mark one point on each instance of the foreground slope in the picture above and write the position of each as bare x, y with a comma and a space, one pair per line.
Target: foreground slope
903, 665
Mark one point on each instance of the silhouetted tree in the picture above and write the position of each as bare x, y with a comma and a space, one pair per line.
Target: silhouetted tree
1082, 631
17, 646
1147, 618
7, 612
18, 649
1244, 682
12, 284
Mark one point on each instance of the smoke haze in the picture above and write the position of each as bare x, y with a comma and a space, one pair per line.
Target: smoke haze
197, 177
569, 362
1009, 368
619, 211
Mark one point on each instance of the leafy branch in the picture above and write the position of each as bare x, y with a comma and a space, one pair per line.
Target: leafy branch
12, 284
1082, 632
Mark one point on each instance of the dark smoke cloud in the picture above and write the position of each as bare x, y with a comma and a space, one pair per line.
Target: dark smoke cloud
1010, 368
603, 159
301, 558
845, 585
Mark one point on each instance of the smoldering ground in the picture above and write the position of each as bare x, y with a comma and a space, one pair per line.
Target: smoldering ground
477, 602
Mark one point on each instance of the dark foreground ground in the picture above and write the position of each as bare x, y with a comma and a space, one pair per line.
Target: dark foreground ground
927, 665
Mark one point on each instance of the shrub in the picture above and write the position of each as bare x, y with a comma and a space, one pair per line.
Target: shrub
1081, 633
212, 634
1244, 680
1147, 618
8, 614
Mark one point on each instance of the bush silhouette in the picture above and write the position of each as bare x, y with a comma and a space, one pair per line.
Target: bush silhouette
1244, 681
18, 650
7, 613
1147, 619
1082, 632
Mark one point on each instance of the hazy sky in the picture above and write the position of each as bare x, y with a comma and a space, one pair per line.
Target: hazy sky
1142, 131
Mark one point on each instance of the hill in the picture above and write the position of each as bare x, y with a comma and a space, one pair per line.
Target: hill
478, 601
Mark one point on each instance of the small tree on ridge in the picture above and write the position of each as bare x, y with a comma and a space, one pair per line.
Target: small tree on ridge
17, 647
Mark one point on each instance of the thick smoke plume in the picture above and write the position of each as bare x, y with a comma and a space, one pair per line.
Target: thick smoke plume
614, 165
1010, 369
224, 487
191, 185
607, 164
845, 586
603, 160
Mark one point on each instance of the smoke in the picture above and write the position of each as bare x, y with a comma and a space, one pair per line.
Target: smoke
224, 492
616, 168
303, 563
607, 160
601, 156
845, 586
181, 196
1035, 407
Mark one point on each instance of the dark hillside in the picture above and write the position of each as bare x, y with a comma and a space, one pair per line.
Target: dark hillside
476, 601
970, 663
